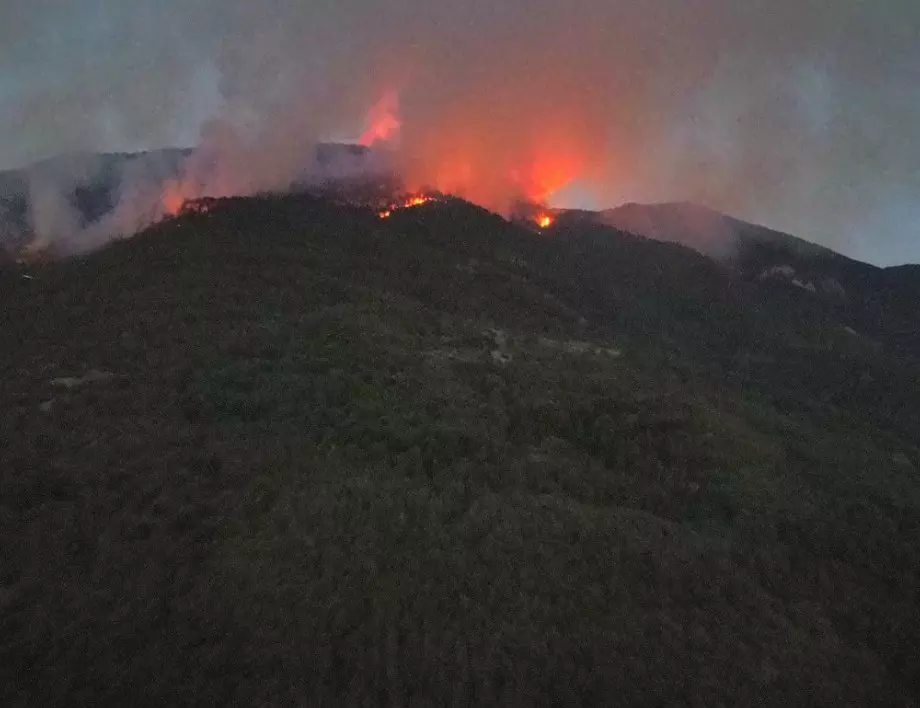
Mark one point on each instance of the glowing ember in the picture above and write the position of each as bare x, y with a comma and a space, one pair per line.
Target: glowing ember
385, 214
544, 221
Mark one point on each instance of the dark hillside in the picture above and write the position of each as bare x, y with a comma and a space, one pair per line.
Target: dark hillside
285, 453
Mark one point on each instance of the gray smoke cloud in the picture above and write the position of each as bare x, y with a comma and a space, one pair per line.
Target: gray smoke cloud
58, 224
799, 114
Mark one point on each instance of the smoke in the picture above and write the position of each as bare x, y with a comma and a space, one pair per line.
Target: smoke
383, 123
702, 229
124, 194
797, 114
50, 213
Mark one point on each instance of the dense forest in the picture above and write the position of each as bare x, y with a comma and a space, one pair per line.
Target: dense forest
287, 453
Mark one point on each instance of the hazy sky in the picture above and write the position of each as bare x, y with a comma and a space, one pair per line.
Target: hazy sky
800, 114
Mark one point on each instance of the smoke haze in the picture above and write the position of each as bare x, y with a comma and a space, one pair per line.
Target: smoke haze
799, 114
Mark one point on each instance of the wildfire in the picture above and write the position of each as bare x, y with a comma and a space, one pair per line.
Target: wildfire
544, 221
415, 200
173, 198
382, 123
175, 203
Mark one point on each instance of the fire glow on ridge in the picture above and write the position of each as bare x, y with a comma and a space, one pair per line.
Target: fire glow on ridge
416, 200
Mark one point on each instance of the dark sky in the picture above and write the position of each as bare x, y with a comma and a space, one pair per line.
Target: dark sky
800, 114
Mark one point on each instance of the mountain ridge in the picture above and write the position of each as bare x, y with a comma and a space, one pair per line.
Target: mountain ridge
878, 301
695, 225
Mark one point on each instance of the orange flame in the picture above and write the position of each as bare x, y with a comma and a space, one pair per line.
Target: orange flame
502, 138
173, 198
544, 221
492, 178
416, 200
382, 123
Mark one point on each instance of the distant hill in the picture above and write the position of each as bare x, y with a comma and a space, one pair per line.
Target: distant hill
702, 229
86, 169
884, 302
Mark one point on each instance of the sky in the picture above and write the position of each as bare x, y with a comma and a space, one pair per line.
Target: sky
803, 115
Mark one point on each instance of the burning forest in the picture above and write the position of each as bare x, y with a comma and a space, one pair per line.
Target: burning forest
385, 173
397, 162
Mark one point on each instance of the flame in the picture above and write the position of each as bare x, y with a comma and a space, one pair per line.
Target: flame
493, 178
544, 221
176, 200
502, 136
415, 200
173, 198
382, 123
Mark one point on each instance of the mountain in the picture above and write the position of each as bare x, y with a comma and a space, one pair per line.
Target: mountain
878, 302
702, 229
89, 171
284, 452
